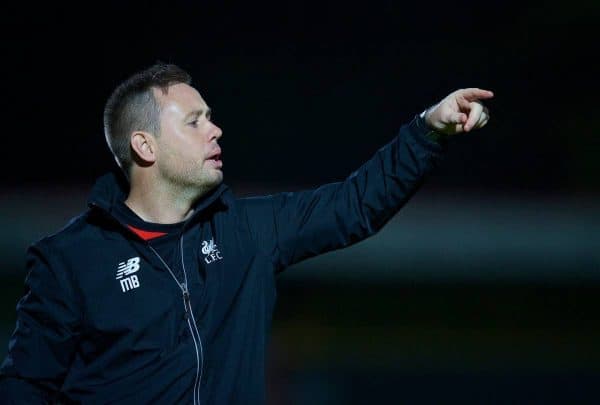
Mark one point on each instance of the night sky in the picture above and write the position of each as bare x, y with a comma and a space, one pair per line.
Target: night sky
305, 93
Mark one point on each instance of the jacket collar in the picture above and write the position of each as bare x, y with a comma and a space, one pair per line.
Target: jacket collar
113, 187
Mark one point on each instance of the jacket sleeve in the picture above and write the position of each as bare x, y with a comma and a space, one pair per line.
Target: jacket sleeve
292, 226
44, 339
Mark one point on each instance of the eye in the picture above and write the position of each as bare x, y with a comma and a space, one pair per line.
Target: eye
194, 123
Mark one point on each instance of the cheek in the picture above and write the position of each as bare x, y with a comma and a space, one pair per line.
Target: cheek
184, 147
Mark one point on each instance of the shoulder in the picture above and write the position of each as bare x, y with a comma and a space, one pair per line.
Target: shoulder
69, 236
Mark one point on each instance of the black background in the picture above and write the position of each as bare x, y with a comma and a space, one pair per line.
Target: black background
305, 92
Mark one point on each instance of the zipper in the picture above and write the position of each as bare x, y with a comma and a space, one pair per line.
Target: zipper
186, 301
188, 313
186, 296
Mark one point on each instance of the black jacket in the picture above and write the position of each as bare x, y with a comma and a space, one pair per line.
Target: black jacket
104, 321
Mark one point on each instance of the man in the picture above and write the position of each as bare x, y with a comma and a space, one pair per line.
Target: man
163, 290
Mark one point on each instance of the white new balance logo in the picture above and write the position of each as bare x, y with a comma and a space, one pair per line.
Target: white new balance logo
212, 254
126, 269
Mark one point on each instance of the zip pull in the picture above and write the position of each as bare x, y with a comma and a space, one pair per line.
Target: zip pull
186, 302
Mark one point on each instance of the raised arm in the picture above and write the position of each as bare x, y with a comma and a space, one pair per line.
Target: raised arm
292, 226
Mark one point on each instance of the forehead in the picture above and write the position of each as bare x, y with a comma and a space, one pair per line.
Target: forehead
180, 99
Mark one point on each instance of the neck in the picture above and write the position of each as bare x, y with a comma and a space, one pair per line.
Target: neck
160, 202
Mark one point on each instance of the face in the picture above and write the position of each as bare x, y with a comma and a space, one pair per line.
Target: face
188, 154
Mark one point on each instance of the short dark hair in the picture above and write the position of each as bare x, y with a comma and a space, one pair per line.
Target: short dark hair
132, 107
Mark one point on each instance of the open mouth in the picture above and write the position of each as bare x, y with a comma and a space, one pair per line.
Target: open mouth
216, 160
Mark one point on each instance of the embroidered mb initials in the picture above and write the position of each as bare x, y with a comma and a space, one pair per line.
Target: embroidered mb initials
126, 269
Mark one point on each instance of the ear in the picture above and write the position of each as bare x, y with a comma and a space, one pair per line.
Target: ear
144, 146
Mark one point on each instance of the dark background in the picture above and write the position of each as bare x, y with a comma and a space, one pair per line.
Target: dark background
483, 289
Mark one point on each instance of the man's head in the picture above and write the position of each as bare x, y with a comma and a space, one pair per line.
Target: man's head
156, 119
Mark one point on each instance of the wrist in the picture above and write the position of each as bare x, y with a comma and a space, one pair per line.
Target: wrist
431, 132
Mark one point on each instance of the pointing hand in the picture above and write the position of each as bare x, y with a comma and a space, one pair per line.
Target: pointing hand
460, 111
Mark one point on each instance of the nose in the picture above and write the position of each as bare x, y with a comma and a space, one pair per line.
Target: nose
217, 133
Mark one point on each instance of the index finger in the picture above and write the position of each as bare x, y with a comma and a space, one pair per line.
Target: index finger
475, 93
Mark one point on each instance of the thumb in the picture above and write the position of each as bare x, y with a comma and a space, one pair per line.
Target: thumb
457, 118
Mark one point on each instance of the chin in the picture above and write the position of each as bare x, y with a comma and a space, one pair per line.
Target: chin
216, 180
219, 176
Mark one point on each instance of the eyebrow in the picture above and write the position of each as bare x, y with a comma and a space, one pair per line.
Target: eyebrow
197, 113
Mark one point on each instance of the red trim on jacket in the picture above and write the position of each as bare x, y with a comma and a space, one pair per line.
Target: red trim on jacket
146, 235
